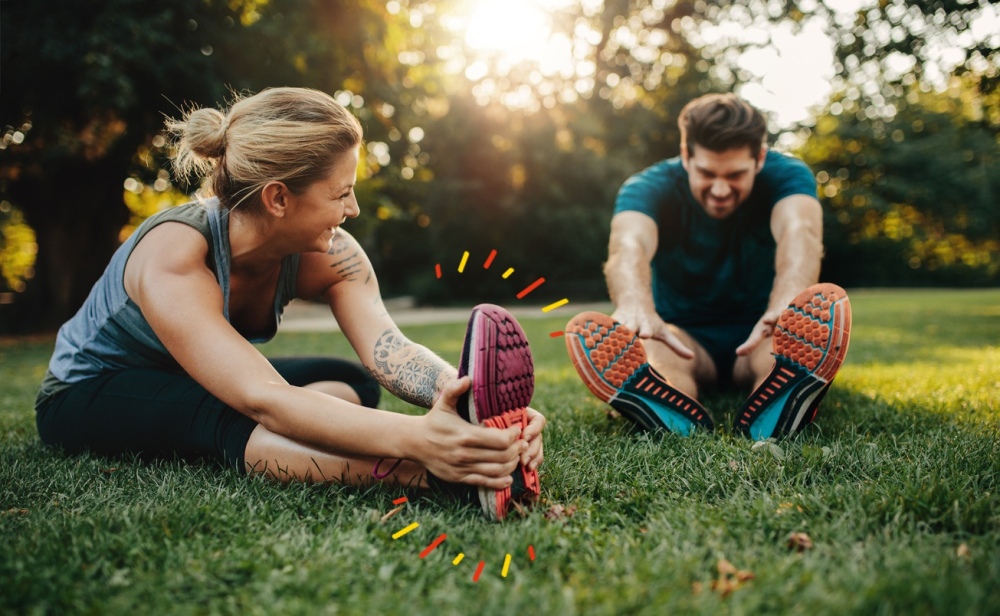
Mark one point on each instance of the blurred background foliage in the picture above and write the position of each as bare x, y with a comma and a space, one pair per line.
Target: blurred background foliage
475, 142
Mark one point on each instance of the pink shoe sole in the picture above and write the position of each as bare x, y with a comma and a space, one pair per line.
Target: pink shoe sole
496, 355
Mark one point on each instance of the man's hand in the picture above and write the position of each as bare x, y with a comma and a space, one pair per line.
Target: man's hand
649, 326
457, 451
763, 330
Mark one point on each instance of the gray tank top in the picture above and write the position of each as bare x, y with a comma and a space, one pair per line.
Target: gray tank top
109, 333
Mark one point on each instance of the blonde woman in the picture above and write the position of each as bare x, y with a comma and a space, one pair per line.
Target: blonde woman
160, 359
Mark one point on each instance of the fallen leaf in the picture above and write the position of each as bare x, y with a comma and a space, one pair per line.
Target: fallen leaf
784, 508
963, 551
799, 542
725, 567
697, 587
391, 513
16, 511
557, 512
730, 578
733, 464
108, 471
724, 586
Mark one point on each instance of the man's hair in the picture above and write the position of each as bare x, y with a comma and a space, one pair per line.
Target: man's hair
721, 122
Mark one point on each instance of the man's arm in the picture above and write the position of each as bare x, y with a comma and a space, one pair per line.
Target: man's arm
797, 226
629, 276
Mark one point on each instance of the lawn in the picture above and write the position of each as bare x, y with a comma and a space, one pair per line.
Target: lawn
897, 488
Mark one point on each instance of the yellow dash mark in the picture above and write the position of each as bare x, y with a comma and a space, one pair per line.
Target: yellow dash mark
465, 258
458, 559
510, 270
401, 532
555, 305
506, 565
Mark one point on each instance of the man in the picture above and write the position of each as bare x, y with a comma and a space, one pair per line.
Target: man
708, 258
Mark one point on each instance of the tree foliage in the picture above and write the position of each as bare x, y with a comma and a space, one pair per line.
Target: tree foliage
87, 86
919, 191
468, 150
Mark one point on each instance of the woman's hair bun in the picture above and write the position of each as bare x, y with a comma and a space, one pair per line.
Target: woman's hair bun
205, 132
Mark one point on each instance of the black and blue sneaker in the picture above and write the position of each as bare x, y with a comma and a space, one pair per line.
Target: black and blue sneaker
810, 343
612, 363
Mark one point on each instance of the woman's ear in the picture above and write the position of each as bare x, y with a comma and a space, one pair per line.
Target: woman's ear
274, 196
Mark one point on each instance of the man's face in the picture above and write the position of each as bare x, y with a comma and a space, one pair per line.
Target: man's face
721, 181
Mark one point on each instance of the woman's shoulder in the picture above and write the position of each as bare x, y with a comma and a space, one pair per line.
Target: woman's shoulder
195, 214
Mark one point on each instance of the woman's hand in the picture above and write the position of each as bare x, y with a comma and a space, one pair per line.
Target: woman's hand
455, 450
532, 434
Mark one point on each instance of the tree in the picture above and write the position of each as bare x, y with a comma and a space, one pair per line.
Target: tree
87, 84
912, 198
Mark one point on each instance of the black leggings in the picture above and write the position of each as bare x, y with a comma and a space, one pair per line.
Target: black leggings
152, 413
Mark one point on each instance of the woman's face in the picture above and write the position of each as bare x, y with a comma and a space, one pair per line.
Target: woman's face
318, 212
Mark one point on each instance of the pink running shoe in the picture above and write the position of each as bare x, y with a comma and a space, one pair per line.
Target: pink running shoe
810, 344
496, 355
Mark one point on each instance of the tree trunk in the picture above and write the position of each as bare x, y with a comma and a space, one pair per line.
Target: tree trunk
77, 212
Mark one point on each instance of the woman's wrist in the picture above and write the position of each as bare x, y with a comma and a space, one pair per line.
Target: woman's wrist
409, 438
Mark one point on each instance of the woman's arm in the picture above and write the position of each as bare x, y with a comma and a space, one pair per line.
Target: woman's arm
167, 278
345, 280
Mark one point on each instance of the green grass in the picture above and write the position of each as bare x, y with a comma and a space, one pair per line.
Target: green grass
899, 472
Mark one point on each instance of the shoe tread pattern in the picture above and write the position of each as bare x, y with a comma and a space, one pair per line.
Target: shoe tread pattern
612, 362
809, 345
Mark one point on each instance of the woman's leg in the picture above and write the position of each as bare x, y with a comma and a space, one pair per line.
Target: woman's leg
150, 413
287, 460
340, 378
153, 414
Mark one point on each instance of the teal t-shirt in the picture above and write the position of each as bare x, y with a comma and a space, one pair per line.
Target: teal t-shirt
709, 271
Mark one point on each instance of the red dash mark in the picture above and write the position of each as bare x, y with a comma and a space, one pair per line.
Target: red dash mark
557, 334
489, 259
399, 501
531, 553
479, 571
437, 270
531, 287
433, 545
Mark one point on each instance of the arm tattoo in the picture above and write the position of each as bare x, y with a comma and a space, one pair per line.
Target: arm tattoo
349, 261
408, 370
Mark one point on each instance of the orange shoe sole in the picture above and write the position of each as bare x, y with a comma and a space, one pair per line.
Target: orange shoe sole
810, 343
612, 363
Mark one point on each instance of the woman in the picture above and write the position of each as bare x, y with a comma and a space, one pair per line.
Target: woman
160, 360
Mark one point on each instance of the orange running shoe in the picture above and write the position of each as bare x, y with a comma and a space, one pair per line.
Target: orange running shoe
810, 344
612, 363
